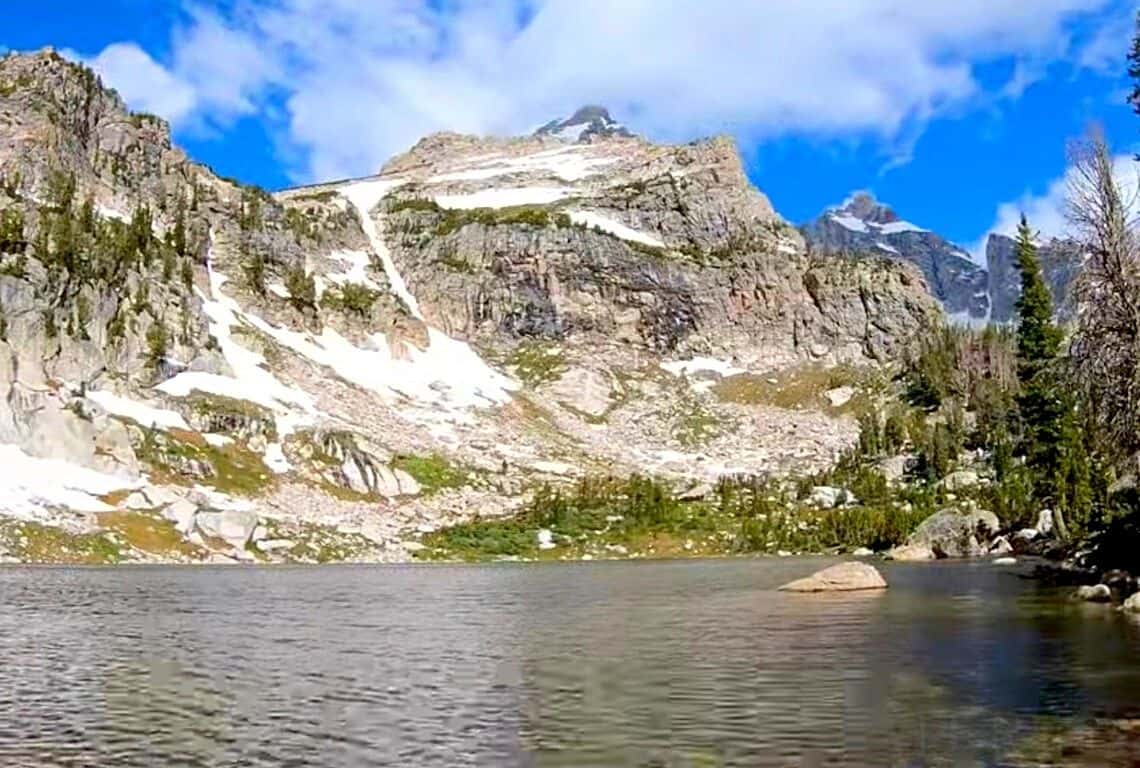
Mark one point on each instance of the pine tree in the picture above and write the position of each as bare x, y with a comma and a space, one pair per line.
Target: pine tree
1041, 403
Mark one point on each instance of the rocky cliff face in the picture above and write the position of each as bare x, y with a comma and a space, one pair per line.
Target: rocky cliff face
864, 226
328, 372
1060, 262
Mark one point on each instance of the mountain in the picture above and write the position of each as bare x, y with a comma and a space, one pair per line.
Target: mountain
586, 124
862, 225
195, 369
1060, 262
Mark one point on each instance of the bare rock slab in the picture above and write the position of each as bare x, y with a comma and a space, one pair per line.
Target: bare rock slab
845, 577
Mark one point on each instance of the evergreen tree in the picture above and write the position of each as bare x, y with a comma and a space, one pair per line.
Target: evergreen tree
1041, 403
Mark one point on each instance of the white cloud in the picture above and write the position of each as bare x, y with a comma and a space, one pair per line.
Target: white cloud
144, 83
361, 81
1045, 211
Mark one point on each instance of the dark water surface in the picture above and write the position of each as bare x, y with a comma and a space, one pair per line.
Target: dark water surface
640, 664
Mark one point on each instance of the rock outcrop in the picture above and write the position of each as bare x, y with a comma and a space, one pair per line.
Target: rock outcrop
1060, 263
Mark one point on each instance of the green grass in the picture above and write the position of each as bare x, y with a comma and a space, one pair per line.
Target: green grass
696, 425
236, 469
537, 363
434, 472
802, 387
638, 516
147, 532
36, 543
318, 543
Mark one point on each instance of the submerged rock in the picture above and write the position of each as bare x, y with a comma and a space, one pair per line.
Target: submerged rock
845, 577
1132, 604
1098, 593
911, 553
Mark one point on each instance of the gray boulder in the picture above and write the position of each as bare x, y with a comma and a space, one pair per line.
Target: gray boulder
1132, 604
182, 513
231, 526
845, 577
955, 534
827, 497
1098, 593
911, 553
960, 480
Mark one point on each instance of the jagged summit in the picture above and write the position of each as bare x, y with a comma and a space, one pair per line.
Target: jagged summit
863, 205
864, 225
587, 123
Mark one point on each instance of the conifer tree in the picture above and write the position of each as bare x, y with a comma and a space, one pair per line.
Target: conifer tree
1040, 400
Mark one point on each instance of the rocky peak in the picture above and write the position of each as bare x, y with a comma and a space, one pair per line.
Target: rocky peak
863, 225
587, 123
864, 206
1060, 259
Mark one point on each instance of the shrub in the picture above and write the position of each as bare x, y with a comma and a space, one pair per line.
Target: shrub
355, 298
301, 287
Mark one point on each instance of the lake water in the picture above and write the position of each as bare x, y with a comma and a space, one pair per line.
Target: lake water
694, 663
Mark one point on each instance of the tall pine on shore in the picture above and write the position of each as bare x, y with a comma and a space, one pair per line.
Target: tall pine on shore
1051, 438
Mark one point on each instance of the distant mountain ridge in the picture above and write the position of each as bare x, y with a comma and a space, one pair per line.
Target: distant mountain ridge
864, 225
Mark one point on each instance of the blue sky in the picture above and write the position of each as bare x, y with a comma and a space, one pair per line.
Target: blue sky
956, 112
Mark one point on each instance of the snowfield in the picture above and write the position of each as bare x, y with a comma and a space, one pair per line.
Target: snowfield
616, 228
28, 485
504, 198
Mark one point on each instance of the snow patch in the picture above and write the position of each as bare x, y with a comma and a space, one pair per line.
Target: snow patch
504, 198
144, 414
31, 485
364, 196
571, 132
251, 381
849, 222
692, 370
885, 247
357, 272
701, 365
447, 373
567, 163
616, 228
111, 213
895, 227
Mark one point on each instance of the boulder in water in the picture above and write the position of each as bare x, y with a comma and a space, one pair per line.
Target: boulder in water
1097, 593
845, 577
1132, 604
952, 533
911, 553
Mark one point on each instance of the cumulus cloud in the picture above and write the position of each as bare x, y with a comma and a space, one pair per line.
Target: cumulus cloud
361, 81
144, 83
1046, 211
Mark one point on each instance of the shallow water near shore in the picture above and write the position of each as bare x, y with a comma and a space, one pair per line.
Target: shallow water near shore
687, 663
